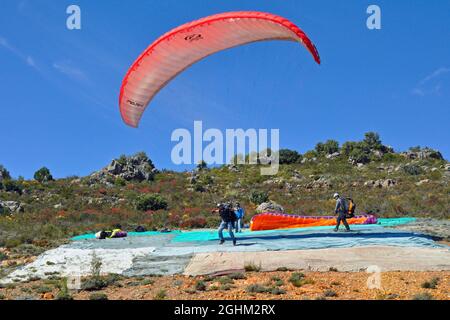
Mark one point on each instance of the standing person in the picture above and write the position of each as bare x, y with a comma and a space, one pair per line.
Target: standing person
228, 220
341, 211
239, 212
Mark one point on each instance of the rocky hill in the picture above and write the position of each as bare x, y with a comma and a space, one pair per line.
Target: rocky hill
130, 191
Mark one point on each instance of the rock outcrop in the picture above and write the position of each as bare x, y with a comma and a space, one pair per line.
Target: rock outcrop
270, 206
134, 168
11, 206
422, 154
382, 183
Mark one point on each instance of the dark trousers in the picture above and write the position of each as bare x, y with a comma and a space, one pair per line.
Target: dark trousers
341, 217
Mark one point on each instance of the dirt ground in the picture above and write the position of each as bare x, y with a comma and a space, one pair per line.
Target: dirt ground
254, 285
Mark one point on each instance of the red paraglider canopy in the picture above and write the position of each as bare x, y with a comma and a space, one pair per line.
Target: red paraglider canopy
183, 46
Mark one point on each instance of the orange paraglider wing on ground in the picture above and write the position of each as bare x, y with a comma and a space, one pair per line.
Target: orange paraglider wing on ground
270, 221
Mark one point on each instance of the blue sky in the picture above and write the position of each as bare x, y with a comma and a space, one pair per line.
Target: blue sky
59, 92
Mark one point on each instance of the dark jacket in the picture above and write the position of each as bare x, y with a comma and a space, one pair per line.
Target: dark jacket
227, 214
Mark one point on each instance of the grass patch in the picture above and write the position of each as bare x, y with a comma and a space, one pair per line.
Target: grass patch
282, 269
225, 280
423, 296
237, 276
63, 293
329, 293
251, 266
98, 296
161, 295
225, 287
147, 282
43, 289
257, 288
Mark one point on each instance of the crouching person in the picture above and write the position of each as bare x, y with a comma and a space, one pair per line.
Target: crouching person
228, 217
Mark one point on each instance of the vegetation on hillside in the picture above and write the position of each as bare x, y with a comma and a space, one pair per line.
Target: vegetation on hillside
414, 183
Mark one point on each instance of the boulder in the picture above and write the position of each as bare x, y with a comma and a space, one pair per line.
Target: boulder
270, 206
134, 168
11, 206
382, 183
422, 154
333, 155
320, 182
421, 182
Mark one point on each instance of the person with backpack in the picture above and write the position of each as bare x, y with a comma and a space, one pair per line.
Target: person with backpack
341, 210
239, 211
228, 217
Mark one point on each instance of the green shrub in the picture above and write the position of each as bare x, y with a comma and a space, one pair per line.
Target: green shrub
11, 186
258, 197
4, 174
412, 169
297, 279
152, 202
225, 287
161, 295
43, 289
287, 156
430, 284
43, 175
277, 291
63, 293
98, 296
3, 256
250, 266
120, 182
237, 276
225, 280
202, 165
283, 269
329, 147
147, 282
360, 154
310, 154
200, 285
256, 288
372, 140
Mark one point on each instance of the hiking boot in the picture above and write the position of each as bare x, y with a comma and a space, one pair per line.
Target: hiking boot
335, 229
222, 242
234, 242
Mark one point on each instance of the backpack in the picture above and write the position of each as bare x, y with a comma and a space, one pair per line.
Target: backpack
350, 207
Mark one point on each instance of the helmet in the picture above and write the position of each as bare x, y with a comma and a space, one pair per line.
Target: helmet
336, 195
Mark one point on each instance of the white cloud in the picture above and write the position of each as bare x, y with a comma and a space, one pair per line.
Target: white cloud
429, 85
67, 68
434, 74
19, 54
